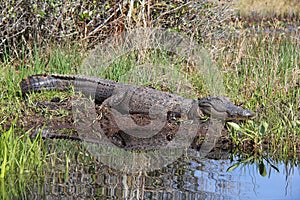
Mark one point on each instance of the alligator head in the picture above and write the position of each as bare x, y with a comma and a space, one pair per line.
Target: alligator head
222, 108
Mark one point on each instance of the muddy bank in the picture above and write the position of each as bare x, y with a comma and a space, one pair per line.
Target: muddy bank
57, 119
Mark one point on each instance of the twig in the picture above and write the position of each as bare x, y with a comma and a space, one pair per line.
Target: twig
175, 9
101, 25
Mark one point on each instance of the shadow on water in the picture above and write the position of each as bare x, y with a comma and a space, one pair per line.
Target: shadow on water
218, 176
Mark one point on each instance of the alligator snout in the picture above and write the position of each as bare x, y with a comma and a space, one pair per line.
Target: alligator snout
222, 108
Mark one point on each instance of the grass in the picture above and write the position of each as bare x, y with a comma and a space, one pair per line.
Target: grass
24, 161
264, 69
18, 153
267, 8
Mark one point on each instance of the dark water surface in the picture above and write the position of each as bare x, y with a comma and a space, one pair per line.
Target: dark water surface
189, 177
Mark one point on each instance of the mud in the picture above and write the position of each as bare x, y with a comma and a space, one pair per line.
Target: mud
57, 118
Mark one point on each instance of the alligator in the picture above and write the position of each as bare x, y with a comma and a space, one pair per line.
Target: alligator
138, 100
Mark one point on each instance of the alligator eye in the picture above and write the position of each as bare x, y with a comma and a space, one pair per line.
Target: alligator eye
248, 114
230, 117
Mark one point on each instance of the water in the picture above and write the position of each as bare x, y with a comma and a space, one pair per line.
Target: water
187, 178
245, 182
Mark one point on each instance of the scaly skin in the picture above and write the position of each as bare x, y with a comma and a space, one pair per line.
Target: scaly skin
137, 99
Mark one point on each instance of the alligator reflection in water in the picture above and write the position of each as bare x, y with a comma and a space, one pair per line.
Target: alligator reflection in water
191, 178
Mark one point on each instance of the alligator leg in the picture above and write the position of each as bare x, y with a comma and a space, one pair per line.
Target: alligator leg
119, 100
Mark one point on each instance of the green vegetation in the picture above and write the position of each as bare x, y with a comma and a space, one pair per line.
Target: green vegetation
18, 153
263, 71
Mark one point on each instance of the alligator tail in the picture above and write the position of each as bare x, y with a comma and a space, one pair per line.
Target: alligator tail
41, 82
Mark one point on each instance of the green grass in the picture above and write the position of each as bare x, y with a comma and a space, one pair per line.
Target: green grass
24, 161
263, 71
18, 153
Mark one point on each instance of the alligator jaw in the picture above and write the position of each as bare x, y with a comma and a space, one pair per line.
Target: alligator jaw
222, 108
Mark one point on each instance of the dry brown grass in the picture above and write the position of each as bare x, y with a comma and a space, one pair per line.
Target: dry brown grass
268, 8
25, 26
